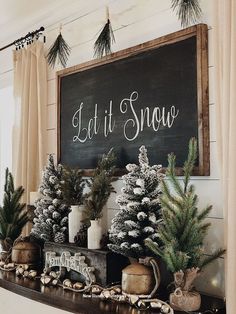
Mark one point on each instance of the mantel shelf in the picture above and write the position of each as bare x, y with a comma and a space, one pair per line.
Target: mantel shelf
74, 302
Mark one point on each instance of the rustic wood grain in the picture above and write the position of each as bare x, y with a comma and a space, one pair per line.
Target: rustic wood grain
200, 31
75, 303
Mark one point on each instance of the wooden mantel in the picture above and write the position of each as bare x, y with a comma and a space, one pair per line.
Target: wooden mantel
74, 302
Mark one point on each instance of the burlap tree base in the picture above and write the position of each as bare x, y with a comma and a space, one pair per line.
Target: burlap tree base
183, 298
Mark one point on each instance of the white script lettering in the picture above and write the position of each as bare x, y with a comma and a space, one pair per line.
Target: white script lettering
157, 118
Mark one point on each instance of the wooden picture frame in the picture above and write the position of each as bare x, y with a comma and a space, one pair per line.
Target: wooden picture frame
199, 31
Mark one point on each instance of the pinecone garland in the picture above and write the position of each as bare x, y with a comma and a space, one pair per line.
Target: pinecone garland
59, 237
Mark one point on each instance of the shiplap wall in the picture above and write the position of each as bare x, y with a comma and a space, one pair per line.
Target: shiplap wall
134, 22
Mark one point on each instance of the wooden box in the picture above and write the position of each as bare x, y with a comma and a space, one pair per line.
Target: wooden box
108, 265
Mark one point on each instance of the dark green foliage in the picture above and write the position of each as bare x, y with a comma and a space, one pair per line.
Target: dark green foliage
100, 186
183, 229
103, 43
59, 50
188, 11
13, 217
81, 236
73, 186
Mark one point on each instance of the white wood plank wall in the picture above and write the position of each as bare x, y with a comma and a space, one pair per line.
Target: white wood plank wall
134, 22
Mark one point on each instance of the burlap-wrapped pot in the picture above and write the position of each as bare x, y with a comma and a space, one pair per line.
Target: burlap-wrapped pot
184, 298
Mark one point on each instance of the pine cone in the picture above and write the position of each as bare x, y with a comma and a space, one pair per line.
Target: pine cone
59, 237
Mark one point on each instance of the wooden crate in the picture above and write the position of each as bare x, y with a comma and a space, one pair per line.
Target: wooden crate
108, 265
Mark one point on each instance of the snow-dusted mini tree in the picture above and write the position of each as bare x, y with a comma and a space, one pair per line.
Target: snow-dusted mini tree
51, 221
139, 211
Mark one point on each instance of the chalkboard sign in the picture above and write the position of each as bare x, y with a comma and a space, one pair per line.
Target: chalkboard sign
154, 94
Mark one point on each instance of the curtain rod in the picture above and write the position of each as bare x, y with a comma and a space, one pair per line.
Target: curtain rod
22, 40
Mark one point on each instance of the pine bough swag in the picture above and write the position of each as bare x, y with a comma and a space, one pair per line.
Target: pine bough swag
51, 221
188, 11
59, 50
139, 212
183, 228
105, 39
13, 216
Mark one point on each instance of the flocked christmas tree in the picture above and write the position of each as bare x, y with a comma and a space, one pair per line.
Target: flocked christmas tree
183, 228
139, 212
51, 221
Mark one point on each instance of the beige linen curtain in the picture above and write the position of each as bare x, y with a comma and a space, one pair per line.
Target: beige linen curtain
224, 32
30, 91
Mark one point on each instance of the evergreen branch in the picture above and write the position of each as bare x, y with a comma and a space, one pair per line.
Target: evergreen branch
171, 175
189, 163
194, 240
154, 247
101, 186
167, 194
204, 227
209, 259
188, 11
61, 50
73, 186
104, 41
204, 213
171, 259
167, 205
188, 226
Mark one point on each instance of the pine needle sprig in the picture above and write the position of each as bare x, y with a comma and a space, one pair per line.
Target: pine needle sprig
204, 213
59, 50
189, 163
207, 260
104, 41
188, 11
170, 173
73, 185
100, 186
154, 247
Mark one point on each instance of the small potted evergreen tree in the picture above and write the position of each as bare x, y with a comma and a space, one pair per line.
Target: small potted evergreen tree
182, 233
73, 192
100, 189
13, 215
51, 213
137, 221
